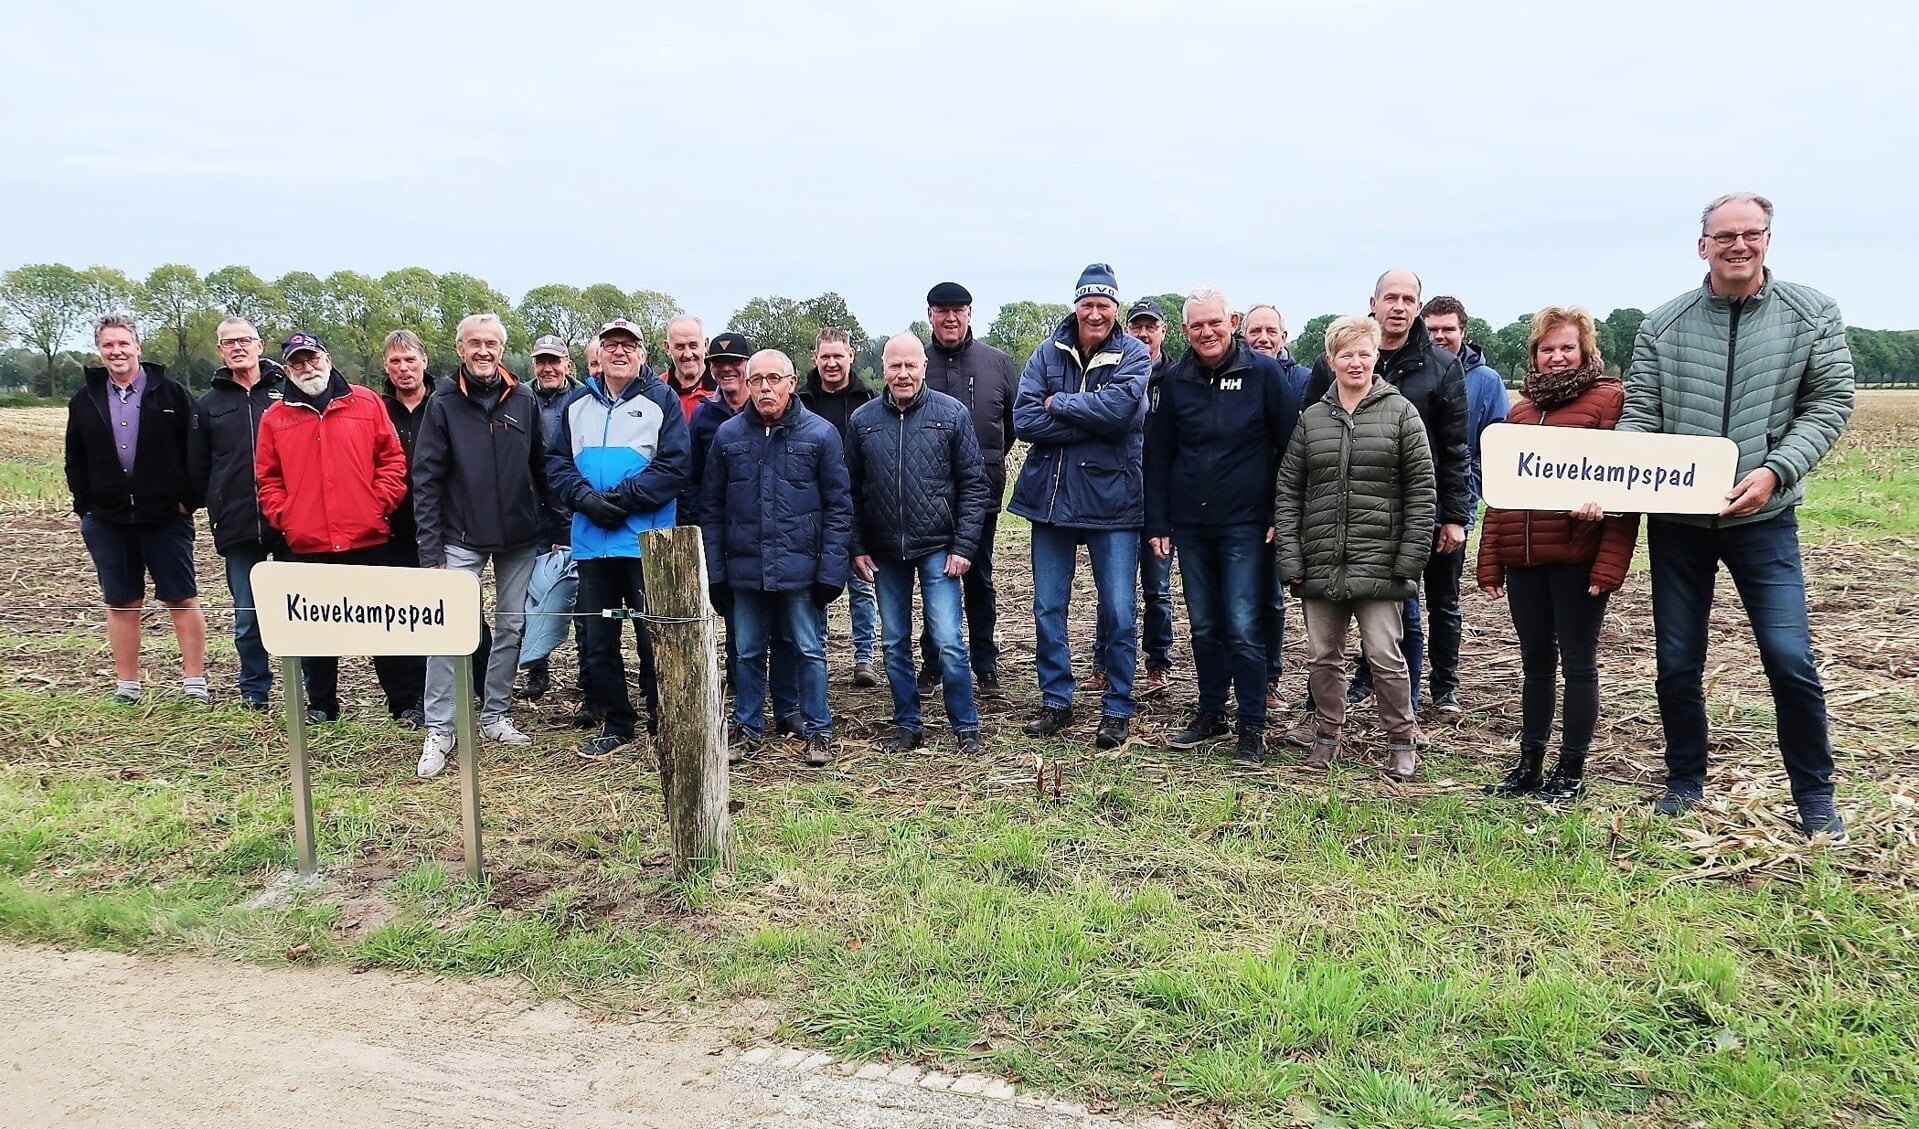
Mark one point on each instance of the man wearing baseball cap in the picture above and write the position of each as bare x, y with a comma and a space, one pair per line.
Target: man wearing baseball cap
331, 472
1082, 405
984, 379
618, 462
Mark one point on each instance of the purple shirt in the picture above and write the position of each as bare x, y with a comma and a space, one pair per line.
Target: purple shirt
123, 412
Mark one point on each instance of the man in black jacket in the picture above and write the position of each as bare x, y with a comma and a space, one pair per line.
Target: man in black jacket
128, 437
553, 386
1431, 378
919, 505
221, 456
1222, 425
986, 382
480, 492
831, 392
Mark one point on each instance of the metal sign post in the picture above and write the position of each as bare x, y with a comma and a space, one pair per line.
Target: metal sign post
313, 610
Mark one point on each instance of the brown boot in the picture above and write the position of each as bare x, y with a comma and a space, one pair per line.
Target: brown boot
1401, 760
1320, 757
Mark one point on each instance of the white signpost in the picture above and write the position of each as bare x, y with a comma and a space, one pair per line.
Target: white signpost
1533, 467
327, 610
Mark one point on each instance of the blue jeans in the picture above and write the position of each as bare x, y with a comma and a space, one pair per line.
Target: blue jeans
943, 598
863, 608
1115, 557
1275, 625
1156, 594
256, 669
1763, 558
1224, 568
757, 617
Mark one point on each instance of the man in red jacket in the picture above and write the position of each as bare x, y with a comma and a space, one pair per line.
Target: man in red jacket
331, 472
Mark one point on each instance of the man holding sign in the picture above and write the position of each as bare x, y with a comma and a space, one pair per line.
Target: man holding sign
1764, 363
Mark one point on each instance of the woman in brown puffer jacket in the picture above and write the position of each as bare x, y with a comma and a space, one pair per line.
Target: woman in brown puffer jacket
1557, 569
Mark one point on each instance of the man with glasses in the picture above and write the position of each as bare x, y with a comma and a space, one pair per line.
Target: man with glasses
985, 380
221, 459
479, 494
1765, 363
776, 516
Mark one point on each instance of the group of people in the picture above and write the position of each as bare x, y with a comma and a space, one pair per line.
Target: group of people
1350, 485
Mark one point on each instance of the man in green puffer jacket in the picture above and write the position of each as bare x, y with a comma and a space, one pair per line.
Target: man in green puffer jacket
1765, 364
1354, 528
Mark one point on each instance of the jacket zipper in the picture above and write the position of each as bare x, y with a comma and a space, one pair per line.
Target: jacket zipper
1347, 420
899, 478
1059, 472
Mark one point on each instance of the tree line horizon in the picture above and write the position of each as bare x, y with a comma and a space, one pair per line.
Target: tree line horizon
45, 307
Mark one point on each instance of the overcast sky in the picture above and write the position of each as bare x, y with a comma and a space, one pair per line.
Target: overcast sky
1515, 154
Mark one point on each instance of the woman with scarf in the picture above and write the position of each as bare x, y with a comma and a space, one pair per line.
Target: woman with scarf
1557, 569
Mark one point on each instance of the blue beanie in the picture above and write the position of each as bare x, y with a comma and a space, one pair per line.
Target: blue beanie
1097, 281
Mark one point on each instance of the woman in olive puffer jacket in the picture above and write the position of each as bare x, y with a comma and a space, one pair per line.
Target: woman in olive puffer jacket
1556, 569
1354, 526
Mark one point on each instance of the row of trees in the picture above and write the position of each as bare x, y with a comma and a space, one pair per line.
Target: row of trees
48, 307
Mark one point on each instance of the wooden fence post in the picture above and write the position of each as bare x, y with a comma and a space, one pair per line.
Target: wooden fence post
692, 741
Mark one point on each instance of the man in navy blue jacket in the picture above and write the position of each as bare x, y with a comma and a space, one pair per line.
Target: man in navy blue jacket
1222, 425
776, 514
1082, 406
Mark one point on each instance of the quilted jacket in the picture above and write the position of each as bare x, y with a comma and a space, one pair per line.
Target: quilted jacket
1356, 499
919, 481
775, 511
1517, 538
1771, 372
1083, 471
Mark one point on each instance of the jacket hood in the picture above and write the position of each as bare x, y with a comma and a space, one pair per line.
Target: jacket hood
1471, 356
816, 388
270, 374
638, 386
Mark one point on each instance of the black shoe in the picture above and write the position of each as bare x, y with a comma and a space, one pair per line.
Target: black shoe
536, 684
863, 676
1817, 816
903, 740
792, 725
1250, 749
254, 705
1447, 705
1204, 727
1357, 692
929, 680
1525, 777
1678, 800
317, 717
1112, 732
1049, 721
988, 687
586, 717
411, 718
819, 751
1565, 784
970, 744
740, 744
601, 747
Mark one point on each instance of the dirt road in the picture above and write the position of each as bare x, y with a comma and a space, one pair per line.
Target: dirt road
99, 1039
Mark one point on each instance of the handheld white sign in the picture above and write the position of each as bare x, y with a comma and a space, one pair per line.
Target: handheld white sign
310, 610
1534, 467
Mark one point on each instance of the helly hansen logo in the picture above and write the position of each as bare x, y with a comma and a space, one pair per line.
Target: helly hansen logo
1231, 384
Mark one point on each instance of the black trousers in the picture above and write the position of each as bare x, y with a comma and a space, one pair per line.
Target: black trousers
615, 582
1558, 628
402, 677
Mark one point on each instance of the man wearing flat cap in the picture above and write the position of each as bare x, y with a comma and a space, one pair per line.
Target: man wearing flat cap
984, 379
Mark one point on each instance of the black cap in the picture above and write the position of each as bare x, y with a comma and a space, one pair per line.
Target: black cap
732, 345
949, 294
1146, 308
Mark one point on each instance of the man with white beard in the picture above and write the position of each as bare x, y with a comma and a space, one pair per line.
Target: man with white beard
331, 472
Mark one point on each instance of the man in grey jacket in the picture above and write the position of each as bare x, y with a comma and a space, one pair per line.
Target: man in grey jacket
1764, 363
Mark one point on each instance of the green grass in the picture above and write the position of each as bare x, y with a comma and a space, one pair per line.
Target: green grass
32, 481
1213, 944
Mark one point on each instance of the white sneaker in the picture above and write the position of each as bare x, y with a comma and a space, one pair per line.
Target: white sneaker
503, 732
433, 754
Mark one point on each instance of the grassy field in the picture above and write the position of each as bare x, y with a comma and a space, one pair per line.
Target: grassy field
1156, 930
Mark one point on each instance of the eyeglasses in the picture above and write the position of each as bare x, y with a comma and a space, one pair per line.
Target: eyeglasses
766, 381
236, 342
619, 346
1728, 238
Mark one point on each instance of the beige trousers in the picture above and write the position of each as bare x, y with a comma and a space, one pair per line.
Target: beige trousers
1379, 633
